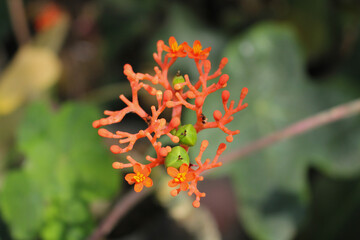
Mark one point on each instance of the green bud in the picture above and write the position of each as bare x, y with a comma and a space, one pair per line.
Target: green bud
177, 157
187, 135
178, 79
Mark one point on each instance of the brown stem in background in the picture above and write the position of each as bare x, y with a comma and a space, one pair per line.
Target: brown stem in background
119, 210
336, 113
18, 21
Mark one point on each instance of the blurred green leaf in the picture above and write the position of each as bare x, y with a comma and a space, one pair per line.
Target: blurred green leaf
53, 230
67, 165
22, 205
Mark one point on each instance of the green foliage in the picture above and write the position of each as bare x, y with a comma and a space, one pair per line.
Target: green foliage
21, 205
271, 185
65, 170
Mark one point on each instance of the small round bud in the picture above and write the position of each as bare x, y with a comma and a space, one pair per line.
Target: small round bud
175, 122
225, 95
168, 95
229, 138
105, 133
221, 148
174, 193
187, 135
116, 165
196, 204
244, 92
223, 62
177, 157
163, 152
223, 79
115, 149
175, 139
199, 101
217, 115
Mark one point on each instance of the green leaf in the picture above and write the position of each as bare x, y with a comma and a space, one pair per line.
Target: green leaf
22, 205
53, 230
70, 158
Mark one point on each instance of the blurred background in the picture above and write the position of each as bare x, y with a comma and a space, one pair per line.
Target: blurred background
61, 65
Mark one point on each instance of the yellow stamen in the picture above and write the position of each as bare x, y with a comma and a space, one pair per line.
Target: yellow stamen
139, 177
175, 46
197, 48
180, 177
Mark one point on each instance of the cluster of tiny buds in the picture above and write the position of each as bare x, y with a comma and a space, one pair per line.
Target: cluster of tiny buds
185, 174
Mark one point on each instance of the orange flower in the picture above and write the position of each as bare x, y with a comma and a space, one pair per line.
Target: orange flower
174, 49
140, 177
196, 53
181, 177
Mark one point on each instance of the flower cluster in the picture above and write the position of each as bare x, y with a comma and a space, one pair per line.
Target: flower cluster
175, 96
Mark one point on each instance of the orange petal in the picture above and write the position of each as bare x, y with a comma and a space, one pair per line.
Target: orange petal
172, 183
137, 168
129, 178
146, 171
207, 50
148, 182
190, 176
184, 186
187, 48
138, 187
173, 172
197, 42
184, 168
166, 48
172, 41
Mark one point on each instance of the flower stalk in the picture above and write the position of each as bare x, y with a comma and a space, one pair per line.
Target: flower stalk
174, 96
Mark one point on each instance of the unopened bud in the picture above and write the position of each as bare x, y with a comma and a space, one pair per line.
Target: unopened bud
244, 92
229, 138
168, 95
199, 101
117, 165
223, 79
175, 122
225, 95
223, 62
217, 115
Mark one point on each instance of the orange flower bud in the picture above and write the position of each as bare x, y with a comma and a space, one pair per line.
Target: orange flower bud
223, 79
217, 115
225, 95
199, 101
168, 95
